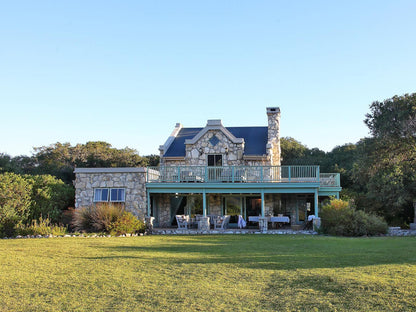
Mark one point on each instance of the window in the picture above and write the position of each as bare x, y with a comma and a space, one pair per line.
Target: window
117, 195
215, 160
109, 194
101, 195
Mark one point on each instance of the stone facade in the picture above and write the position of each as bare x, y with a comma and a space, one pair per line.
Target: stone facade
272, 204
161, 203
216, 139
232, 153
273, 135
133, 180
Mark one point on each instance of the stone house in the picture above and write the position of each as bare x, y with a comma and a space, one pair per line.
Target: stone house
214, 170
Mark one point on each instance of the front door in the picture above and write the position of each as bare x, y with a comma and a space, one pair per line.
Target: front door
215, 161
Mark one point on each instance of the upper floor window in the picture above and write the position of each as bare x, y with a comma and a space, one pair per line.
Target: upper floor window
109, 194
215, 160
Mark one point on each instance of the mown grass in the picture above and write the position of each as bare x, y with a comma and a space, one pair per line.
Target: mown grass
208, 273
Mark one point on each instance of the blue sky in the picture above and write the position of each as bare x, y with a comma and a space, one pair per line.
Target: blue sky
125, 72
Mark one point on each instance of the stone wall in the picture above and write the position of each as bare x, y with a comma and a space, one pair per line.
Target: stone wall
133, 180
232, 153
162, 209
272, 203
273, 135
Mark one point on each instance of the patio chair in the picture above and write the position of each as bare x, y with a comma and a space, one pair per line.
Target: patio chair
182, 221
221, 222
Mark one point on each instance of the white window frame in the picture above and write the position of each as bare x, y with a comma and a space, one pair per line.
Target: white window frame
109, 197
100, 197
123, 197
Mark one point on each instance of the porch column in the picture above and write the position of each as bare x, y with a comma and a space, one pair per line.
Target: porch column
149, 209
203, 224
204, 203
262, 203
316, 203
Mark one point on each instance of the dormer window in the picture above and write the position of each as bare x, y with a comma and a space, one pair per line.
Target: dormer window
214, 160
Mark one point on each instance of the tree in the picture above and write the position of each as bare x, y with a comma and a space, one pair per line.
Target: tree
295, 153
15, 201
386, 163
153, 160
393, 118
291, 150
60, 159
341, 159
49, 197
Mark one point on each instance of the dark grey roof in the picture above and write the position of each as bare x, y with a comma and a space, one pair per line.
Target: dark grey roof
255, 139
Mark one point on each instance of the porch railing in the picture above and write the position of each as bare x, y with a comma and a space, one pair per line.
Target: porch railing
239, 174
330, 179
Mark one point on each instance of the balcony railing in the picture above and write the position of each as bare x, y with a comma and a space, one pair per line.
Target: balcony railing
240, 174
330, 179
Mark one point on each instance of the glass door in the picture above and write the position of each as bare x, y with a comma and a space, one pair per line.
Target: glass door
214, 173
301, 211
233, 207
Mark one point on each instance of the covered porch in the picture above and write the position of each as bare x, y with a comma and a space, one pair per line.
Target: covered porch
262, 196
267, 208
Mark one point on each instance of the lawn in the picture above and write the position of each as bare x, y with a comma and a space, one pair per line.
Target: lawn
208, 273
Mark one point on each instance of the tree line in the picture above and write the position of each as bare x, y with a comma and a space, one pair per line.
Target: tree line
60, 159
377, 173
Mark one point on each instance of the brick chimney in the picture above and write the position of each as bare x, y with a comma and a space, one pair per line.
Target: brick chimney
273, 135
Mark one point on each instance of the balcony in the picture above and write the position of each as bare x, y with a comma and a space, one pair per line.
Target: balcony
242, 174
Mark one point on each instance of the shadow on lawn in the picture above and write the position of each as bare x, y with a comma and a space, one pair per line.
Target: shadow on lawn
271, 252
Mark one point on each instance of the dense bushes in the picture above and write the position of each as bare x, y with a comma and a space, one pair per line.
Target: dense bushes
15, 202
24, 198
339, 218
107, 217
41, 227
50, 197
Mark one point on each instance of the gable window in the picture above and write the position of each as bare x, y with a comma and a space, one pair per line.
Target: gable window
214, 160
109, 194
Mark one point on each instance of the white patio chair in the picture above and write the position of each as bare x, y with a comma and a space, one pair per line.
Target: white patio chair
182, 221
221, 222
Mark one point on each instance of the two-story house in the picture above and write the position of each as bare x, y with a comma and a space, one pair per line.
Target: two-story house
214, 170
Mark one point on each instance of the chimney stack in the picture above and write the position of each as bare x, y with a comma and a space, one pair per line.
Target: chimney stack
273, 135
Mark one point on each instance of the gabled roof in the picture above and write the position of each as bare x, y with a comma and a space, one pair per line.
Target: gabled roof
255, 140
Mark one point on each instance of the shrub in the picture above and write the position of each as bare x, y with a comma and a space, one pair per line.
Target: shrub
98, 218
24, 198
83, 219
104, 215
127, 224
50, 196
43, 227
15, 202
339, 218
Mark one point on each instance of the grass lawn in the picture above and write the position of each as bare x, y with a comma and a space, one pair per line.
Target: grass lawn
208, 273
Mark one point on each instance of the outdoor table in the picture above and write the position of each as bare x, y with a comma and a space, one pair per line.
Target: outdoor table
279, 220
253, 218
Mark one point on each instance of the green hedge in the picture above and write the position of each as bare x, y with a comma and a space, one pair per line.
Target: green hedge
341, 219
